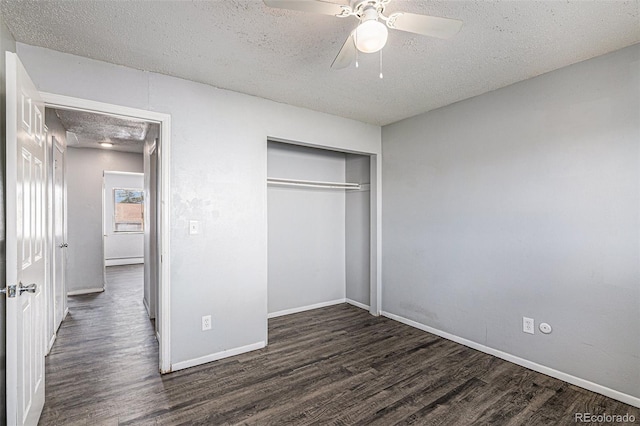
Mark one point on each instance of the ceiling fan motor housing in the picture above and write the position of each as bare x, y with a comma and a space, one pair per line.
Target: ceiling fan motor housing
361, 7
369, 13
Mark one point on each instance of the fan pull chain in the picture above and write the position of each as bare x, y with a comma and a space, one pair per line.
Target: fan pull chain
381, 64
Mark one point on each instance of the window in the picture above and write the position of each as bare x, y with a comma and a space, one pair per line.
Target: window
128, 210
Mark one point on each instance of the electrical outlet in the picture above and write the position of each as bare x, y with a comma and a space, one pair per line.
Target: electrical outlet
206, 322
528, 325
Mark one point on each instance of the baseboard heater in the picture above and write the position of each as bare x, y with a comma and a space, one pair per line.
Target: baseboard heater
116, 261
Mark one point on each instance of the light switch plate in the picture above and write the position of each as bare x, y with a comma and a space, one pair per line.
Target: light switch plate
194, 227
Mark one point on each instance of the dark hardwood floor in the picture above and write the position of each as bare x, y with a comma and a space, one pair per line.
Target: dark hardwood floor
336, 365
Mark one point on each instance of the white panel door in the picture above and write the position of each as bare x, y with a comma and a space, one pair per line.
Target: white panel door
59, 257
25, 183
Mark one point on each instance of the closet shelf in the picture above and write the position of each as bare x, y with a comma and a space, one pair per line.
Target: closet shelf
312, 183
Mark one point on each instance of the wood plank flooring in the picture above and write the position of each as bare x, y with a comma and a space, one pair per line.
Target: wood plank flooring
335, 365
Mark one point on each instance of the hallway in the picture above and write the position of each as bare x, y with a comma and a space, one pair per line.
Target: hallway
104, 335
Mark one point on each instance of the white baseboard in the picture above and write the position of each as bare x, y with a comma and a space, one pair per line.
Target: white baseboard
51, 342
305, 308
66, 312
594, 387
158, 337
214, 357
85, 291
146, 307
358, 304
124, 261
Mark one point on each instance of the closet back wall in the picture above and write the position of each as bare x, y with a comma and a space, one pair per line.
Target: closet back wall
306, 237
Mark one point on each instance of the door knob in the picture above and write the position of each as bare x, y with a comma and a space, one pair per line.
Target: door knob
63, 245
31, 288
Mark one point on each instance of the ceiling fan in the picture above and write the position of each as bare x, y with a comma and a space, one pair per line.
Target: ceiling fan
371, 35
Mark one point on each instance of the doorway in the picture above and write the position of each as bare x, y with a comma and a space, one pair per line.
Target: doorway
153, 148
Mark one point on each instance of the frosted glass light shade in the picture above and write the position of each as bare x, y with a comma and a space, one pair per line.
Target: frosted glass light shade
371, 36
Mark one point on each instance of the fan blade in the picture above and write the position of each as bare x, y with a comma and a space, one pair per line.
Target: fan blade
313, 6
346, 54
431, 26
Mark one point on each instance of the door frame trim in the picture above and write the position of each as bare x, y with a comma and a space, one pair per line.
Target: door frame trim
53, 100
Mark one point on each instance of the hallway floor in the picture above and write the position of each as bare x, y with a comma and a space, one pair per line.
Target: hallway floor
105, 351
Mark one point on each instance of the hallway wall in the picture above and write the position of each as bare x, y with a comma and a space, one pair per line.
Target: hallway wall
84, 216
151, 212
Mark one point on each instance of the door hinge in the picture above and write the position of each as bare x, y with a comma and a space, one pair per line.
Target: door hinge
10, 291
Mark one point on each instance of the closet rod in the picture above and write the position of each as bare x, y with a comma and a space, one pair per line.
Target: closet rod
313, 183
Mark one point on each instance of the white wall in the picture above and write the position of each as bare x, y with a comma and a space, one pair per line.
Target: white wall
358, 230
121, 248
85, 168
525, 202
306, 228
218, 176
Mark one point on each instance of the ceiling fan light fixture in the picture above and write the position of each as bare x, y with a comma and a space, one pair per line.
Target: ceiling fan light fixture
371, 35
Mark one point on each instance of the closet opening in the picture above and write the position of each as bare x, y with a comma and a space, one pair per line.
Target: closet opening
319, 216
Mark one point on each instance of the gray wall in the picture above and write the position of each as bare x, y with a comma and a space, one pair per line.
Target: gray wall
7, 43
218, 172
357, 230
525, 202
306, 237
84, 211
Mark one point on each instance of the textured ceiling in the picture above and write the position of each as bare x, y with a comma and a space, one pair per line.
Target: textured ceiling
244, 46
92, 129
